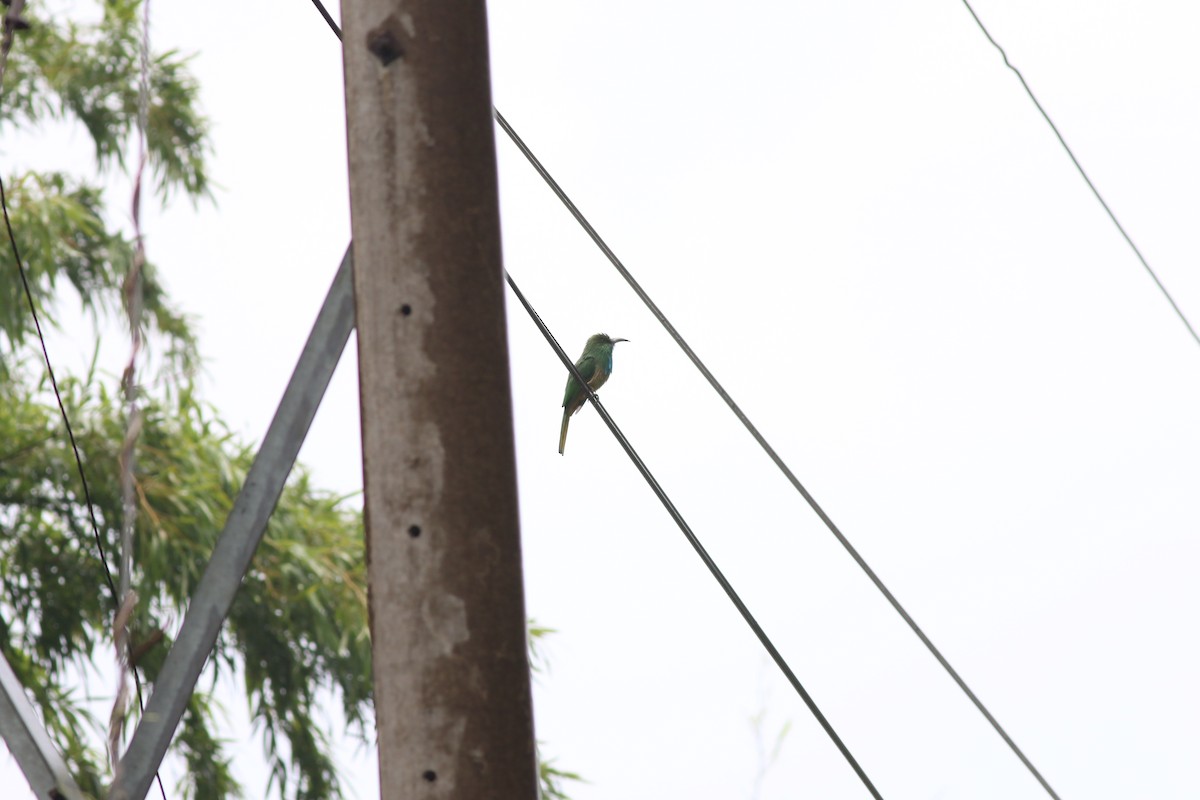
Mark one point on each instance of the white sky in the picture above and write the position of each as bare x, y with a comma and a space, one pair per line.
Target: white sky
865, 229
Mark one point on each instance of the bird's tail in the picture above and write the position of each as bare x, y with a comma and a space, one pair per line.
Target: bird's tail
562, 437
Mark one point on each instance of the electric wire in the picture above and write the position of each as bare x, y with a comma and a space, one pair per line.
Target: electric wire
87, 495
333, 26
1121, 228
767, 448
694, 541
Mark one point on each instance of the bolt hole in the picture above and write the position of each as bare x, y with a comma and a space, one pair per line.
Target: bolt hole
405, 309
429, 775
384, 45
414, 531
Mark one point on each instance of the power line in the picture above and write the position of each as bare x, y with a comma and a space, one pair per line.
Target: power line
87, 495
333, 26
1084, 175
694, 542
770, 451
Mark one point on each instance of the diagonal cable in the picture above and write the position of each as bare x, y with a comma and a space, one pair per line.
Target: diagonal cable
1084, 175
333, 26
770, 451
695, 542
87, 495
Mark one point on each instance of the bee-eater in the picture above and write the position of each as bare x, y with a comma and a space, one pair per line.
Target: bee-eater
595, 365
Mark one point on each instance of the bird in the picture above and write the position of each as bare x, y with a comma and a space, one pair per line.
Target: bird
595, 365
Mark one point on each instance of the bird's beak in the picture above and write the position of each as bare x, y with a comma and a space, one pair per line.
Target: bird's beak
619, 340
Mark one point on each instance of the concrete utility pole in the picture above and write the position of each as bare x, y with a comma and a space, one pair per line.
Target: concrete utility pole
452, 697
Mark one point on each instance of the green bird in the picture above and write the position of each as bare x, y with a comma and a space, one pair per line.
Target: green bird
595, 365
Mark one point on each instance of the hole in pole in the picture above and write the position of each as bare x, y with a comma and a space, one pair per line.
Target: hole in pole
414, 531
385, 45
429, 775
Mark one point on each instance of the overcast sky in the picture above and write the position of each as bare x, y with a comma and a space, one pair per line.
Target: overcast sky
864, 227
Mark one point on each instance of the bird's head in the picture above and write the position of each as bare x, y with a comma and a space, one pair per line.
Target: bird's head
603, 339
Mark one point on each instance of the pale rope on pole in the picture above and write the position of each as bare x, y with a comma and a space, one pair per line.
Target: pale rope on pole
133, 296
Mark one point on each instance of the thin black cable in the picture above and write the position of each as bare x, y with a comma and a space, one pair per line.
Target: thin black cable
770, 451
87, 495
1084, 174
695, 542
333, 26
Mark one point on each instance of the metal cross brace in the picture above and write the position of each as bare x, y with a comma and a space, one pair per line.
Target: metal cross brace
243, 531
44, 768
